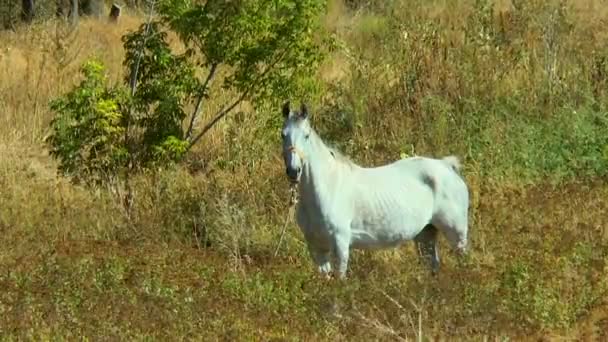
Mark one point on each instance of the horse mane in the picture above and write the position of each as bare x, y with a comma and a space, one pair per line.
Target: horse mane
335, 152
340, 156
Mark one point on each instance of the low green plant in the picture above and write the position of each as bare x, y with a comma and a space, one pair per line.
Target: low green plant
89, 128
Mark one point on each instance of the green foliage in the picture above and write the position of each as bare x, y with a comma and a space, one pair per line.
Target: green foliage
165, 83
268, 47
89, 129
265, 52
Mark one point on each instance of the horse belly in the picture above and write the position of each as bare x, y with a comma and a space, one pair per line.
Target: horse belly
384, 231
391, 221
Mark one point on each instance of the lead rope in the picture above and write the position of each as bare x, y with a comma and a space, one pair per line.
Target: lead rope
293, 200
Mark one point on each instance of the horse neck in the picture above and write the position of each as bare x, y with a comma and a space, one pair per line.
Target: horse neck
319, 168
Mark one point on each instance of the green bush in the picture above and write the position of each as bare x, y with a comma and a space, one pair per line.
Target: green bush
88, 132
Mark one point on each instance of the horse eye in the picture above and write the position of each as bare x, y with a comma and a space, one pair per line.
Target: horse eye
307, 136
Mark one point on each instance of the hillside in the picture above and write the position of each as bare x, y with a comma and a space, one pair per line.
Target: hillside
517, 89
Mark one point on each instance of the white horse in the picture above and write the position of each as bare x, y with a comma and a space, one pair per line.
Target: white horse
343, 205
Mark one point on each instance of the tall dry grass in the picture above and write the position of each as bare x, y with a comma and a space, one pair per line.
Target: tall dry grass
40, 62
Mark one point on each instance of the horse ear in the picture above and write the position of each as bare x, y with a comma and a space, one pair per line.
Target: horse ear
286, 109
303, 111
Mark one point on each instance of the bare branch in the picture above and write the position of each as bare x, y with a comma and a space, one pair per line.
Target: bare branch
133, 78
199, 101
225, 110
381, 327
217, 118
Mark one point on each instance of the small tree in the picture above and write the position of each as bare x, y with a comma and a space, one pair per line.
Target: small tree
88, 132
261, 51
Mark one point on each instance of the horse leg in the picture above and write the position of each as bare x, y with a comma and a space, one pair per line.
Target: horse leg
454, 225
321, 258
341, 249
426, 242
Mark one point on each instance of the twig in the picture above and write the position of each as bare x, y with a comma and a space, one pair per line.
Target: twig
133, 79
384, 328
418, 310
199, 101
292, 204
226, 110
215, 119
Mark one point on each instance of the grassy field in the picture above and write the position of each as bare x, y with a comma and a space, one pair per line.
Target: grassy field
516, 89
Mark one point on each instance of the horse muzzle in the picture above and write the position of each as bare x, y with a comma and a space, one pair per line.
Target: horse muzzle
293, 174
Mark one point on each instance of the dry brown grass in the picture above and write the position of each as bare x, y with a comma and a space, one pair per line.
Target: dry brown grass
74, 264
41, 62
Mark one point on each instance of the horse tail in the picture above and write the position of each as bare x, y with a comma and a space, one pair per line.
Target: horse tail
453, 162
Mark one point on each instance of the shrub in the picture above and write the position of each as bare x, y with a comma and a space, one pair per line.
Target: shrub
89, 129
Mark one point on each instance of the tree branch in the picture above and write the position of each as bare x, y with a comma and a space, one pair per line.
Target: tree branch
199, 101
128, 198
217, 118
135, 71
225, 110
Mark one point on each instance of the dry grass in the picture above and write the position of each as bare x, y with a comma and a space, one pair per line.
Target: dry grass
195, 259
